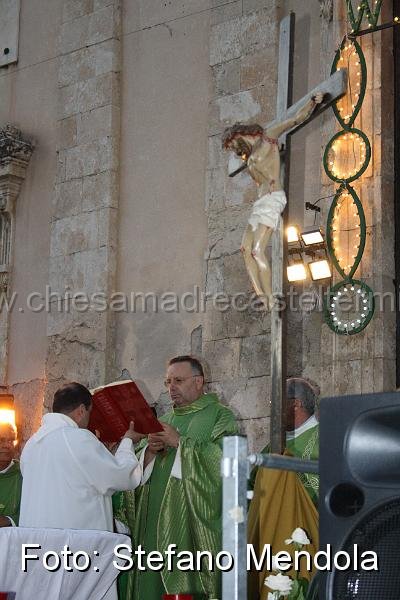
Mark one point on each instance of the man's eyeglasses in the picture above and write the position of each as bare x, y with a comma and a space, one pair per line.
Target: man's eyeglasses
177, 380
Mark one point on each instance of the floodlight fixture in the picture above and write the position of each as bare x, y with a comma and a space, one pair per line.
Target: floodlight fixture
296, 272
312, 236
320, 269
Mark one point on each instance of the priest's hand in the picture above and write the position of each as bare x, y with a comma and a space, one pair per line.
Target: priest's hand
169, 437
4, 521
155, 445
132, 434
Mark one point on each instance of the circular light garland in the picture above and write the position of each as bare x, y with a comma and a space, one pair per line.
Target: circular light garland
350, 307
347, 155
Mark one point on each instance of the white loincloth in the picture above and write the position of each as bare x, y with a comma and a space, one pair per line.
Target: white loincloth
267, 210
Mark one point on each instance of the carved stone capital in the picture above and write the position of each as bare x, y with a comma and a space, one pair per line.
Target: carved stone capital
12, 145
15, 154
326, 10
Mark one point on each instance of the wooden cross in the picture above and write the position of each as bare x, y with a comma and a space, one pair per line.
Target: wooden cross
332, 88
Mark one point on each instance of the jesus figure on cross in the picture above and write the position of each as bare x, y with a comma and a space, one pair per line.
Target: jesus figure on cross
258, 148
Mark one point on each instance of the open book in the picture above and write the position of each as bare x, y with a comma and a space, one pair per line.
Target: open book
115, 405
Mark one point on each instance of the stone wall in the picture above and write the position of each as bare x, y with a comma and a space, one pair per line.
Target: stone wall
365, 362
127, 101
28, 101
236, 343
162, 226
243, 56
84, 223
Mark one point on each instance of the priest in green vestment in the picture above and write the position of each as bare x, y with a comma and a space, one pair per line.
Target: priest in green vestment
302, 439
280, 503
10, 478
181, 503
302, 435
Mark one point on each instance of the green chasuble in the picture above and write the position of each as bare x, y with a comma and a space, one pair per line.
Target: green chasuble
306, 445
303, 443
10, 492
124, 510
184, 511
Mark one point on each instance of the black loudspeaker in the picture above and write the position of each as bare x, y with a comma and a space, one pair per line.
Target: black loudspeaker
359, 503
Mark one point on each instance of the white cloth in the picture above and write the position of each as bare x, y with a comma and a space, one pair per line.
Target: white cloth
267, 210
311, 422
69, 477
7, 468
39, 583
176, 470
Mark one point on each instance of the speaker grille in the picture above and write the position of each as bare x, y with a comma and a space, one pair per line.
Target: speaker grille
379, 531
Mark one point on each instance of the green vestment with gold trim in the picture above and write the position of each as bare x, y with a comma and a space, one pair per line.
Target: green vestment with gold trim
185, 511
306, 445
303, 444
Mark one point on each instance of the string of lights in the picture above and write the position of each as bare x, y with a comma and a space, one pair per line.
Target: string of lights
349, 306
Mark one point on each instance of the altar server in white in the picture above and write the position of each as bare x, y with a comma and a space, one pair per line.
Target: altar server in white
68, 475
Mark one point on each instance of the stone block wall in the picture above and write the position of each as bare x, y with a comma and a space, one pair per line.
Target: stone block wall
365, 362
243, 58
236, 342
92, 227
84, 224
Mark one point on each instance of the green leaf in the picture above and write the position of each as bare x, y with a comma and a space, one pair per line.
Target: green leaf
299, 590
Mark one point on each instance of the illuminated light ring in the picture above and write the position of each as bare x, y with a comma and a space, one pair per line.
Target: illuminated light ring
372, 15
354, 289
365, 164
363, 82
330, 233
331, 307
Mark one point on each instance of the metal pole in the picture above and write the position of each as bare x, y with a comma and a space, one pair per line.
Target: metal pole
284, 463
278, 316
234, 469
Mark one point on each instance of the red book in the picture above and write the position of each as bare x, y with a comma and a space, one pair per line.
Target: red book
115, 406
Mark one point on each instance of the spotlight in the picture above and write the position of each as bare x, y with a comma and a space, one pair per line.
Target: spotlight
312, 236
320, 269
296, 272
307, 249
292, 234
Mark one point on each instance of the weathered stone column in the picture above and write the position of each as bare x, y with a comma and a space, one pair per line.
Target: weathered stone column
83, 230
15, 153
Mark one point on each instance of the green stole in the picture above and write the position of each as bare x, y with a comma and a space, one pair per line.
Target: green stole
123, 504
10, 492
306, 446
187, 511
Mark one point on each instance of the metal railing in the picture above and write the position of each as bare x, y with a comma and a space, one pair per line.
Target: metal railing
235, 468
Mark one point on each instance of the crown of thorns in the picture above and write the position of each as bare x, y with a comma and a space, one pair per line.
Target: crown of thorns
239, 129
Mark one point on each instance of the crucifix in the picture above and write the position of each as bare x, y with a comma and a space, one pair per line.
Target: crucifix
265, 151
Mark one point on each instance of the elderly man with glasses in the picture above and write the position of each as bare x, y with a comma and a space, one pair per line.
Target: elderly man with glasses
181, 502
